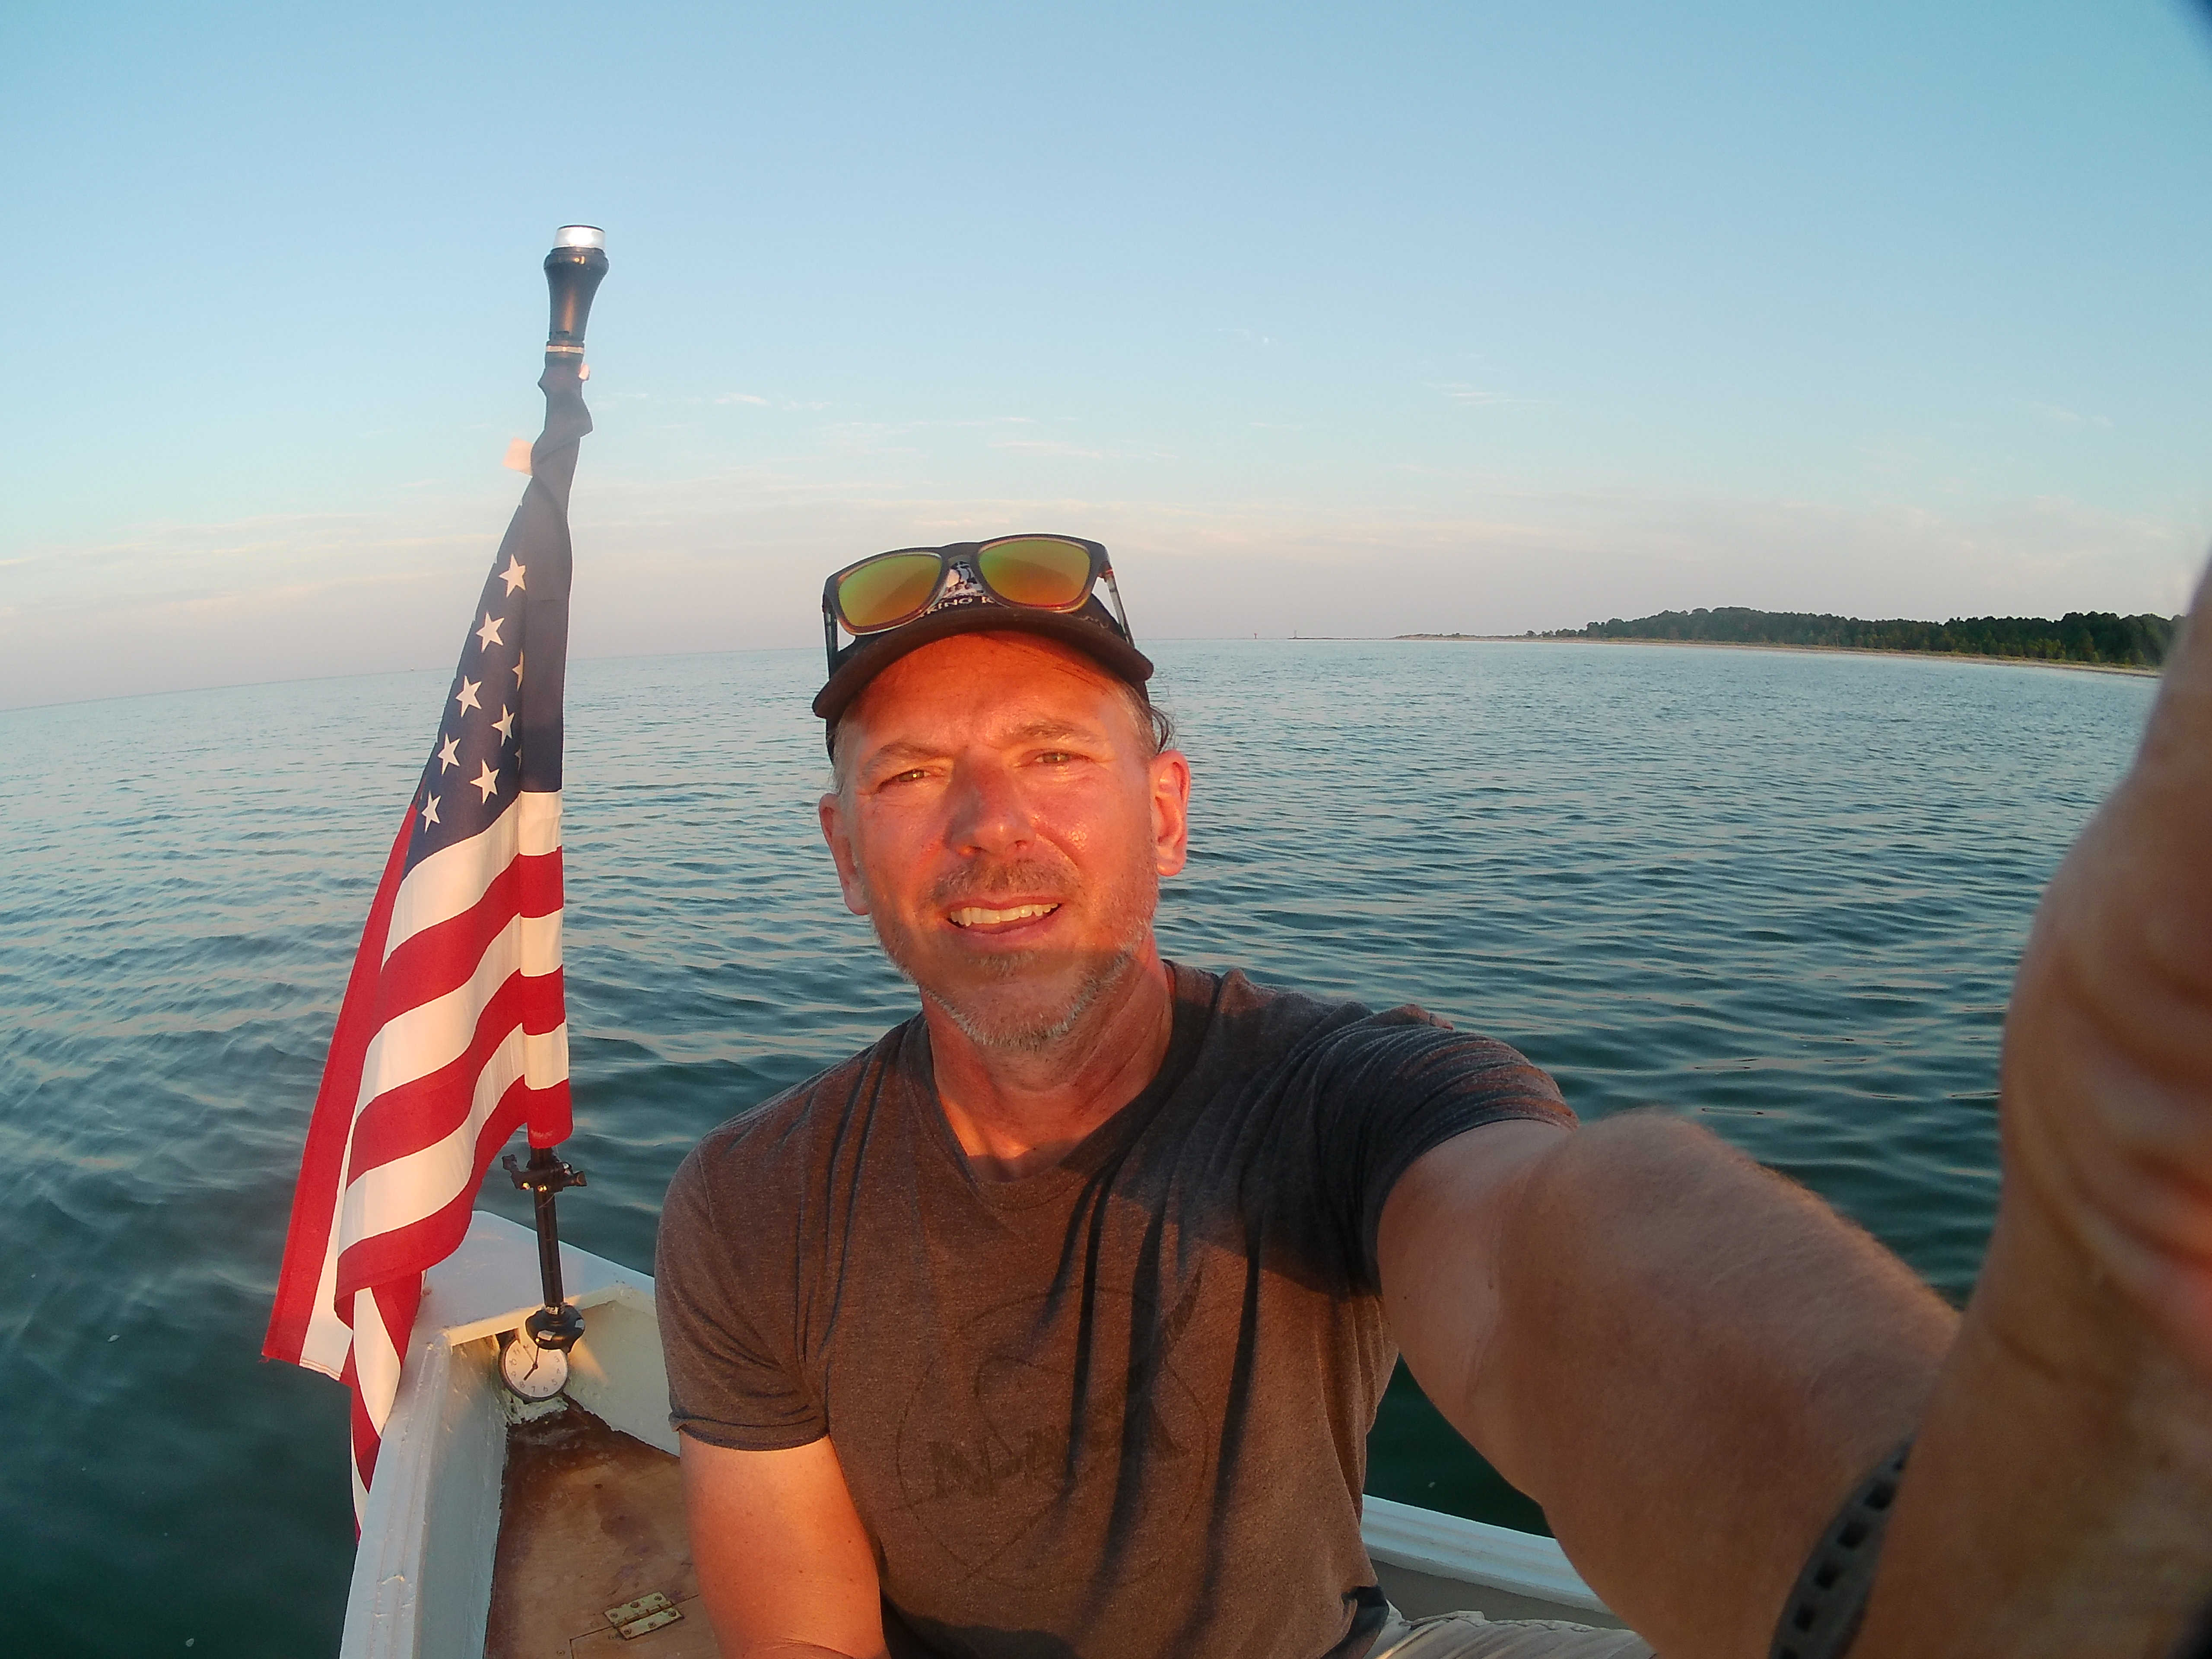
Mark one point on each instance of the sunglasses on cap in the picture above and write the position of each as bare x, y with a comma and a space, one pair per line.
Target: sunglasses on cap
1053, 574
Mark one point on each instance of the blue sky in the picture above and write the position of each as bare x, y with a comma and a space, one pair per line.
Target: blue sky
1333, 320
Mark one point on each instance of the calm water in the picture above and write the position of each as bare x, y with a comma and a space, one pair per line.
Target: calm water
1781, 892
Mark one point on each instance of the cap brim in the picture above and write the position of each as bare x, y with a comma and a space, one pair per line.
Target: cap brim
864, 661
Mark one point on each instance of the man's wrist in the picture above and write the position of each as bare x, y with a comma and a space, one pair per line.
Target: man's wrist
2061, 1474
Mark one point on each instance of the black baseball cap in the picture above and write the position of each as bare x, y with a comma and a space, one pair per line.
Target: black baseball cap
964, 600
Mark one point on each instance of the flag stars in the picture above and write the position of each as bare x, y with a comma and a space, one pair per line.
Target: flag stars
512, 574
518, 668
430, 812
466, 696
488, 636
505, 724
487, 780
446, 757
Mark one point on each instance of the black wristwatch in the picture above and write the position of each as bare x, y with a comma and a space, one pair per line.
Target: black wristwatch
1821, 1617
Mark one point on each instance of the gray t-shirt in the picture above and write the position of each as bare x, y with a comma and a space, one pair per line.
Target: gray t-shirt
1116, 1407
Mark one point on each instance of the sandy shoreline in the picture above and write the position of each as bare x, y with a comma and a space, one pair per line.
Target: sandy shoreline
1809, 650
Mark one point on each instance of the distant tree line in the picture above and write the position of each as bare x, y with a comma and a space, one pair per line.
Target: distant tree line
2097, 636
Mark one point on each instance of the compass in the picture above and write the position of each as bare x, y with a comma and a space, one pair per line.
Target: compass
531, 1372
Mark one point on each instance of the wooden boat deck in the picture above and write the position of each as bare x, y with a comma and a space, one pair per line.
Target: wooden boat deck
590, 1519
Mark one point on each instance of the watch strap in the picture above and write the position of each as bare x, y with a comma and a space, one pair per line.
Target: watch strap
1821, 1617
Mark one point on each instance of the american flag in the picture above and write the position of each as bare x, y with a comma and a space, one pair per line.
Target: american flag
453, 1032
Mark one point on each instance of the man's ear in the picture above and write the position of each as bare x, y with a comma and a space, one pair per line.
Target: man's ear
1170, 810
830, 811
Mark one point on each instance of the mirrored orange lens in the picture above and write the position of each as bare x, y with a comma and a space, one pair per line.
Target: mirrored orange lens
888, 590
1039, 570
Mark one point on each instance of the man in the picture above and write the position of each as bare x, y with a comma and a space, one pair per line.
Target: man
1052, 1324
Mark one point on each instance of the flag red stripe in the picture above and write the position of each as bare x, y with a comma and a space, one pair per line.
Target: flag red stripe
441, 959
425, 1110
396, 1305
365, 1434
308, 1239
365, 1437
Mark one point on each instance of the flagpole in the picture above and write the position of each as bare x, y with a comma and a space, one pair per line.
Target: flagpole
574, 270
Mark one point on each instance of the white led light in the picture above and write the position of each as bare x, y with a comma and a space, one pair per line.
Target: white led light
580, 236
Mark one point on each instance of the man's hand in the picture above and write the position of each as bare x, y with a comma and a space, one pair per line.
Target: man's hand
2059, 1500
785, 1567
2108, 1046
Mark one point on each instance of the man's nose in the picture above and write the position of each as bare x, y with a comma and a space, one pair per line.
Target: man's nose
988, 812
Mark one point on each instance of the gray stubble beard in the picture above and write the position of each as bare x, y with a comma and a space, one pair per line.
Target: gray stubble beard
992, 1027
1038, 1034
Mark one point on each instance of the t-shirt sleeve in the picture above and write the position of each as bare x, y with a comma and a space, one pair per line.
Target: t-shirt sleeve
731, 1383
1394, 1086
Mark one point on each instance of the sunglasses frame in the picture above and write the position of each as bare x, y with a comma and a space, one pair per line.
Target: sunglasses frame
966, 556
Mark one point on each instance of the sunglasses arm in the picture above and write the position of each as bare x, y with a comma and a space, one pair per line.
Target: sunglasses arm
1113, 587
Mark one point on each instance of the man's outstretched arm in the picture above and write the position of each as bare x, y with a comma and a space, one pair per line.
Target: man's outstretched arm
1689, 1362
784, 1564
1686, 1359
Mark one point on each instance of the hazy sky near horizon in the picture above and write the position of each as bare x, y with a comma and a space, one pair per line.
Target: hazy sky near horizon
1351, 321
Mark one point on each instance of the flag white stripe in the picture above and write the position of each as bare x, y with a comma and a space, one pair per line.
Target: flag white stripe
436, 1033
375, 1359
450, 881
328, 1339
403, 1191
376, 1353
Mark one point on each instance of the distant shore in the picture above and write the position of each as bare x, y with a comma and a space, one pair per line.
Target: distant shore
1804, 650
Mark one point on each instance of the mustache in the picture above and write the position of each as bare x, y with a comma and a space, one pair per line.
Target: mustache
988, 881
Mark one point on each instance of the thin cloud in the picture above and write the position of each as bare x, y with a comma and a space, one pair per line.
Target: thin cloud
1461, 392
1047, 446
2059, 415
753, 399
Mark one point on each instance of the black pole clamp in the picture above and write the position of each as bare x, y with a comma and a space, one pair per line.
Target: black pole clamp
544, 1173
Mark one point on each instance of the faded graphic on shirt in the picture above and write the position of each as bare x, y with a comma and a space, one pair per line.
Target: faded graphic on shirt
995, 1461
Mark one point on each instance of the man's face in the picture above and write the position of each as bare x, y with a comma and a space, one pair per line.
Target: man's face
1003, 823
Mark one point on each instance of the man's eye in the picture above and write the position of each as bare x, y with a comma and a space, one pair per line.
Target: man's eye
1054, 757
912, 775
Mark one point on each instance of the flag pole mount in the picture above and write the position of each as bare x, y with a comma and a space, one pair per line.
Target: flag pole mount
534, 1363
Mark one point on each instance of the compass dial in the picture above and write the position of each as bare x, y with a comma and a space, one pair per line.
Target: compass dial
530, 1371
